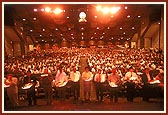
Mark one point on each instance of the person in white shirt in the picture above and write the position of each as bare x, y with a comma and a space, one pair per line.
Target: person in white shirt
61, 80
114, 82
99, 80
87, 78
75, 77
130, 77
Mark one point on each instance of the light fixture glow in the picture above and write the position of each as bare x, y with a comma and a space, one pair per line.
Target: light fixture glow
82, 15
105, 10
128, 16
139, 16
48, 9
42, 9
114, 10
57, 11
35, 10
34, 19
99, 8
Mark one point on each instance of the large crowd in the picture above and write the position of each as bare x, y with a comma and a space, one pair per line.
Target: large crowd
104, 59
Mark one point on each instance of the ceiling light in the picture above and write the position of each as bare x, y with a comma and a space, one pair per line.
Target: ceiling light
82, 33
108, 28
24, 19
68, 17
105, 10
71, 34
35, 10
40, 35
120, 28
124, 33
43, 29
128, 16
95, 16
56, 28
42, 9
114, 10
99, 8
126, 7
133, 28
57, 11
97, 28
42, 40
34, 19
31, 30
47, 9
139, 16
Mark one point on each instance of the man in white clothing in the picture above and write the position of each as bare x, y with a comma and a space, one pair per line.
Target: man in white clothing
87, 78
60, 82
75, 77
130, 77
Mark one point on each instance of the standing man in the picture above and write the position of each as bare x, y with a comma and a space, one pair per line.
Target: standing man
87, 78
130, 77
12, 89
75, 76
31, 93
61, 80
98, 79
114, 82
46, 80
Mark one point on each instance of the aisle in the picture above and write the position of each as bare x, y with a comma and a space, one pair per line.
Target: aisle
83, 64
